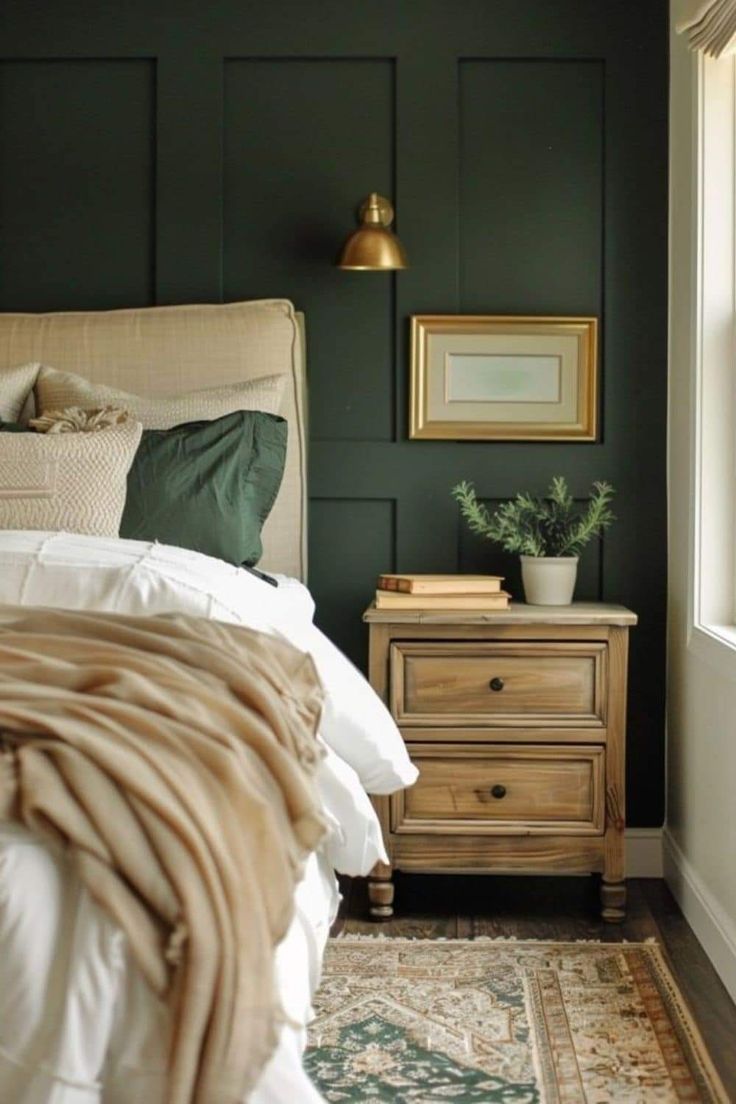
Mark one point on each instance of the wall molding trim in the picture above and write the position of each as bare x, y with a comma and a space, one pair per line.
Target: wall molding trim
714, 929
644, 853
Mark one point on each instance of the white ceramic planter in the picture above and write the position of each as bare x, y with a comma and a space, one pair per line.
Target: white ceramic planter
549, 580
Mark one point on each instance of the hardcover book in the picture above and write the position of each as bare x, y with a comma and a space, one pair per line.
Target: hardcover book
397, 601
441, 584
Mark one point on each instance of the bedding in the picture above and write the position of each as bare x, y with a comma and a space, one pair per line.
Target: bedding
75, 481
77, 572
173, 759
54, 390
207, 486
160, 351
72, 995
67, 975
73, 999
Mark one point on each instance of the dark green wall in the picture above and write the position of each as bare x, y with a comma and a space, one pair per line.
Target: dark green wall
162, 152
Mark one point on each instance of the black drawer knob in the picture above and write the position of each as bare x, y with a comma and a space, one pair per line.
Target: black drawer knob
498, 791
496, 684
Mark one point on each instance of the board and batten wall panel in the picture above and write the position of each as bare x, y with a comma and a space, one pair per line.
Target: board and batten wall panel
298, 138
77, 183
168, 153
531, 186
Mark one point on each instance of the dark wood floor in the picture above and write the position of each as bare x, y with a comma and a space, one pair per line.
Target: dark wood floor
435, 906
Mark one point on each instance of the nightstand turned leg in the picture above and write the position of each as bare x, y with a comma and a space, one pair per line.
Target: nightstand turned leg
381, 892
613, 883
613, 901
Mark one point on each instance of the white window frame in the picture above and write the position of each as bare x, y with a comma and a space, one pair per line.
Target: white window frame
713, 399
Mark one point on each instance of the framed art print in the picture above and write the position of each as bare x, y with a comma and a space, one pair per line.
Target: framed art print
503, 378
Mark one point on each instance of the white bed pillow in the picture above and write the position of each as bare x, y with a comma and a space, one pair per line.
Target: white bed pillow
355, 844
56, 390
355, 722
134, 577
71, 481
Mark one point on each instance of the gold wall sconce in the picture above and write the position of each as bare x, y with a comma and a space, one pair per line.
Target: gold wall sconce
373, 247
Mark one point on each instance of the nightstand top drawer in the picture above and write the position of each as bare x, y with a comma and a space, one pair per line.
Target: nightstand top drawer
503, 789
498, 684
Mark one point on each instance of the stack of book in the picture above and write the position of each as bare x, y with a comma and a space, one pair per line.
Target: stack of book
441, 592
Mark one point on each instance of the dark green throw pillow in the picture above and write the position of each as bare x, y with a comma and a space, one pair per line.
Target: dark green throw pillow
208, 486
12, 427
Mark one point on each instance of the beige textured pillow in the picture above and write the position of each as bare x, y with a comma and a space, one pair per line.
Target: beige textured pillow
16, 385
74, 482
57, 390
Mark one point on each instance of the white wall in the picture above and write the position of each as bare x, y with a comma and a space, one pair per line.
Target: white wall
700, 835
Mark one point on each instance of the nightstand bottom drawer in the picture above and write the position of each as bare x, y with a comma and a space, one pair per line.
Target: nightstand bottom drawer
503, 789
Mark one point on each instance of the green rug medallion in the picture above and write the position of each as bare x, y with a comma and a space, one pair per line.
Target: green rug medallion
479, 1022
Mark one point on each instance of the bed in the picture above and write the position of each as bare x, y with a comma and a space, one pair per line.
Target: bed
77, 1021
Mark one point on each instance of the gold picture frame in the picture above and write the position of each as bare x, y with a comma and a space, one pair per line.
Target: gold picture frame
503, 378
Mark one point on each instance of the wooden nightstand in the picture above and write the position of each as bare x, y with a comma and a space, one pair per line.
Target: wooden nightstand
517, 723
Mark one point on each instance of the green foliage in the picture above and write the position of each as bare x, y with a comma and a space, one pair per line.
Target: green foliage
532, 526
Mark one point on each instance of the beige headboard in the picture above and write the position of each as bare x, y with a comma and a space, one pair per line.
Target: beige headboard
166, 350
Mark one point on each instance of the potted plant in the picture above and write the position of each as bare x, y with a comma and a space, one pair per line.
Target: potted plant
548, 533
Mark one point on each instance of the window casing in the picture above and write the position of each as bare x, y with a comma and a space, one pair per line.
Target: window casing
713, 405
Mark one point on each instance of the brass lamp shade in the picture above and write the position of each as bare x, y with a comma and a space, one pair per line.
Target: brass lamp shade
372, 247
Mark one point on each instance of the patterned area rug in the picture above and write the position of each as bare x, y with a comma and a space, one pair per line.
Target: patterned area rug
479, 1021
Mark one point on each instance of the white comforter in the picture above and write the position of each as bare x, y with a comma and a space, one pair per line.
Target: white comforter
77, 1023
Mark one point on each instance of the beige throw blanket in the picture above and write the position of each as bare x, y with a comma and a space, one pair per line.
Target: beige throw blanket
174, 758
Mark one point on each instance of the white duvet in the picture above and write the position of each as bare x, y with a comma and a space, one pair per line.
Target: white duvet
77, 1023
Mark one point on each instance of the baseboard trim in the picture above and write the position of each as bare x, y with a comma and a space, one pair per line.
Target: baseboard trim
644, 853
715, 931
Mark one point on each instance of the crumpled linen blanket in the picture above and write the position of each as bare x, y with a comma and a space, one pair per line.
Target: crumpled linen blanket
173, 758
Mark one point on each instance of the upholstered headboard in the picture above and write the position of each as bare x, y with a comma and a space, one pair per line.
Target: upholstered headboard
167, 350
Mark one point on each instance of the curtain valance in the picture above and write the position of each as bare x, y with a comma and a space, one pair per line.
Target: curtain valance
710, 26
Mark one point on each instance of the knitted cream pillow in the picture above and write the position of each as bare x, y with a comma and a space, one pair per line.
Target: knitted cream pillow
56, 390
73, 482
